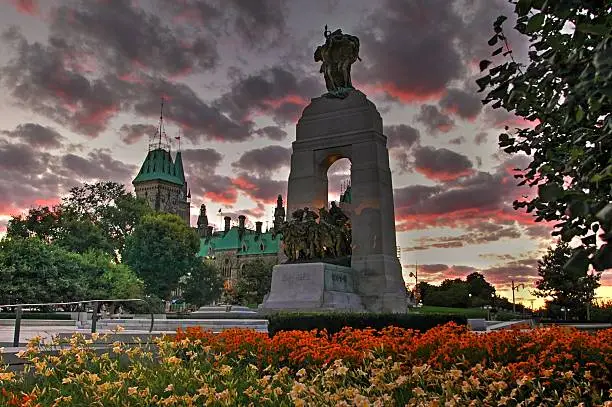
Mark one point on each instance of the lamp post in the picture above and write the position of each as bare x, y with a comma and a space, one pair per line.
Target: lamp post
564, 309
488, 308
515, 287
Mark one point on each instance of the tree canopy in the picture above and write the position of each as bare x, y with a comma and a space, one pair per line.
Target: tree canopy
161, 249
565, 90
92, 217
567, 287
33, 271
202, 285
254, 283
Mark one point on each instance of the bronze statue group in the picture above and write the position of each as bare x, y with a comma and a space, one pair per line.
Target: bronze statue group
309, 236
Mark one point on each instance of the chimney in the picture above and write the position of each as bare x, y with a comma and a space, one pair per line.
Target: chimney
241, 220
209, 231
258, 226
227, 220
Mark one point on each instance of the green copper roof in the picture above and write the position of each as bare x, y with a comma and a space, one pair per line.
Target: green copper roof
159, 166
346, 196
178, 165
250, 244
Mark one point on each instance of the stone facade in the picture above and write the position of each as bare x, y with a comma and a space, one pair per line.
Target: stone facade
234, 246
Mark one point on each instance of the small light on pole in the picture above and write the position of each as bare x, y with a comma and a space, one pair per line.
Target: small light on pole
565, 310
488, 308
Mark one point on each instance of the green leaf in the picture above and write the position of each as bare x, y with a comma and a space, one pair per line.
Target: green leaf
535, 23
550, 192
484, 64
579, 209
579, 114
595, 29
497, 51
483, 82
589, 240
500, 20
578, 263
602, 259
523, 7
605, 215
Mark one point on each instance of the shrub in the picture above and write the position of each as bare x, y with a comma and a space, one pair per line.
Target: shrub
334, 322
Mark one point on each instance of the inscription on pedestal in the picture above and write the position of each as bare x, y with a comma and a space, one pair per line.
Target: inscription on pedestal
297, 276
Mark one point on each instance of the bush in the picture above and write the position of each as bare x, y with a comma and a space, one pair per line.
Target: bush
36, 315
334, 322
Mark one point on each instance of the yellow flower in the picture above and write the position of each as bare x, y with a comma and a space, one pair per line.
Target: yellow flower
299, 403
173, 360
278, 391
418, 392
66, 380
95, 336
225, 370
301, 372
8, 376
132, 390
297, 389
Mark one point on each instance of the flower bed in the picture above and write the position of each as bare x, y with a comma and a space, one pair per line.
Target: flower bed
447, 365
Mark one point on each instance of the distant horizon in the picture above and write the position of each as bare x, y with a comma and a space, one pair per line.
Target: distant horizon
82, 83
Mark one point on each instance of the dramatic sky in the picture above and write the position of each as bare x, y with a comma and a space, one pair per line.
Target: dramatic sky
81, 82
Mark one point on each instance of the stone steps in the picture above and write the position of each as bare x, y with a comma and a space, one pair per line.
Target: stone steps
171, 325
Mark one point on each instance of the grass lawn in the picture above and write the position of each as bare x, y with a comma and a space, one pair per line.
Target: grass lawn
468, 312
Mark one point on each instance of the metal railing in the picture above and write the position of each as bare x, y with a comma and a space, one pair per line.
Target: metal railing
94, 318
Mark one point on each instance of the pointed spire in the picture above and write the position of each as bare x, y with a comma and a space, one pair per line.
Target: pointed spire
161, 122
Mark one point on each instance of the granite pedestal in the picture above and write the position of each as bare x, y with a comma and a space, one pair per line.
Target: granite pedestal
313, 287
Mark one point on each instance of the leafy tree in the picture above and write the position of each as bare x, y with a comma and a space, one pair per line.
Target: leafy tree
161, 249
254, 282
92, 217
34, 271
107, 204
567, 287
566, 91
81, 235
202, 285
40, 222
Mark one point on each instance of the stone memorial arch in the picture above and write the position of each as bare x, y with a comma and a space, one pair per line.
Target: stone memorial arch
343, 123
335, 128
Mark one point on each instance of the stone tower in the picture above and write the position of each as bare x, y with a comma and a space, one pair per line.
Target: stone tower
161, 180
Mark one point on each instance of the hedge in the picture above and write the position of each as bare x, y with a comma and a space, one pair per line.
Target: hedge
334, 322
36, 315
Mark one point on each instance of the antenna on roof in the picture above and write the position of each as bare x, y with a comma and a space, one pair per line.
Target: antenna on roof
160, 144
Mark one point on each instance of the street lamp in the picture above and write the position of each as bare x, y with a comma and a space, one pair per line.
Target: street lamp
515, 287
488, 308
565, 310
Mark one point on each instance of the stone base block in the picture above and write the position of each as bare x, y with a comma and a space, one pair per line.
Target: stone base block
381, 285
312, 287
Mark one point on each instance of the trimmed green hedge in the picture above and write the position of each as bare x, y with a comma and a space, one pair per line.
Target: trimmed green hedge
36, 315
334, 322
